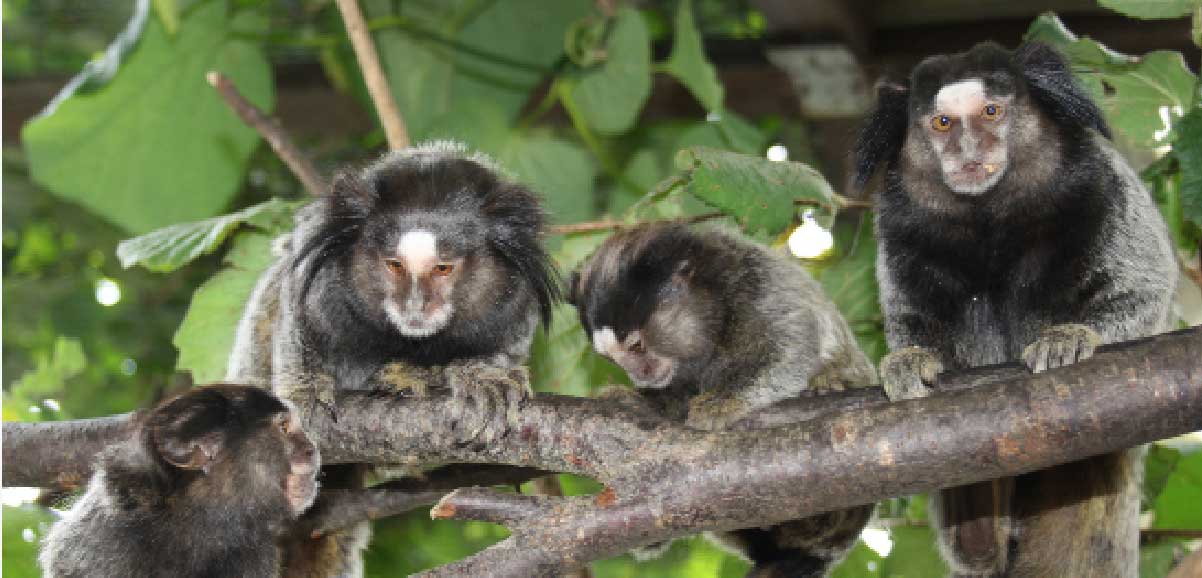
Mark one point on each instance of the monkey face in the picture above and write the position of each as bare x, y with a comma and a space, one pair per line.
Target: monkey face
646, 367
300, 484
967, 129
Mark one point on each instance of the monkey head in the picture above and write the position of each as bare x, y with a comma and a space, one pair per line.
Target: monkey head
432, 234
644, 307
240, 443
965, 119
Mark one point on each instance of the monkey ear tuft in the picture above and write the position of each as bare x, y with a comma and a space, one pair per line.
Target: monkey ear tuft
1050, 80
352, 195
882, 134
573, 289
187, 432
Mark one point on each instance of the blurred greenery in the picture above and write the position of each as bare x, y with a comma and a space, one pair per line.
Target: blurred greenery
556, 92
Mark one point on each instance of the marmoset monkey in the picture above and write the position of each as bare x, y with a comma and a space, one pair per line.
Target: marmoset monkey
711, 327
427, 257
204, 489
1010, 229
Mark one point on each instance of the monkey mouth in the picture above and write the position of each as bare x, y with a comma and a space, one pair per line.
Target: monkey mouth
652, 377
974, 177
419, 324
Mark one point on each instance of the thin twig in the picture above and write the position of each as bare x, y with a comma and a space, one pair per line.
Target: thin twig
611, 224
271, 131
373, 75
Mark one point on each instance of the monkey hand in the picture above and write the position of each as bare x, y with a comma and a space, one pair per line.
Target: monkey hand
487, 400
403, 378
715, 411
910, 373
1061, 345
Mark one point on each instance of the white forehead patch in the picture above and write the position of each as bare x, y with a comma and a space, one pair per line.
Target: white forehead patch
605, 342
419, 250
961, 98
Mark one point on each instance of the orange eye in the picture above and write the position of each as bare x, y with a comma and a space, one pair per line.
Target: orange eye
443, 269
941, 123
992, 111
395, 266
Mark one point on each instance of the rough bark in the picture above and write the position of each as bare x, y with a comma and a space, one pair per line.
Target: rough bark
664, 481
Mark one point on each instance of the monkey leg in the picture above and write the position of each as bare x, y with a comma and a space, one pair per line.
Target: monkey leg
1061, 345
806, 548
974, 527
1080, 519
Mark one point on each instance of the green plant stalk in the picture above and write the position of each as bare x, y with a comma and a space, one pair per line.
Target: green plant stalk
590, 140
1174, 215
544, 106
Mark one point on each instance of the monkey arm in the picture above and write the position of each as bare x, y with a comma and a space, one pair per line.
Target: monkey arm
664, 481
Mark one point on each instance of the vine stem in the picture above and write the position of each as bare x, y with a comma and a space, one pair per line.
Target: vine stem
373, 75
271, 131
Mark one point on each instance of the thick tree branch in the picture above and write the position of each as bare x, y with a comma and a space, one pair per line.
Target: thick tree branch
271, 131
664, 481
373, 75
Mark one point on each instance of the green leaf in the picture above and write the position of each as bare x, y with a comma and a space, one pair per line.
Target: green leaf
757, 192
610, 96
688, 63
1156, 560
448, 57
49, 376
1188, 150
1161, 79
206, 336
561, 172
170, 248
24, 529
1177, 505
861, 562
1160, 463
157, 145
1138, 86
729, 132
1149, 9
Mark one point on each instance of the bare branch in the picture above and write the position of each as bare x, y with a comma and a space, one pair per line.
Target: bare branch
271, 131
373, 75
338, 509
665, 481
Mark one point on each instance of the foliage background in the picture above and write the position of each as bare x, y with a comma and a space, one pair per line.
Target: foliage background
555, 90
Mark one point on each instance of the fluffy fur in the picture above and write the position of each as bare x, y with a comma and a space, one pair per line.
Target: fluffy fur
204, 489
712, 327
356, 289
1065, 250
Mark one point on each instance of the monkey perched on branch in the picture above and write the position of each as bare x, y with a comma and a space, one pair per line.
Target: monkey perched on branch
428, 257
711, 327
1010, 229
204, 489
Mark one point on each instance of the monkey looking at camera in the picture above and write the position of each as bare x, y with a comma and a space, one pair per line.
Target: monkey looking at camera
204, 489
711, 327
428, 257
1009, 229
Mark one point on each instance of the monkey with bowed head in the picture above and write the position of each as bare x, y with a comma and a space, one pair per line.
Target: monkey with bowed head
204, 489
712, 327
1010, 229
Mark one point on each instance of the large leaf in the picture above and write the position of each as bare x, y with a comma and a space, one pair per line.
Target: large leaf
688, 63
1139, 86
434, 53
757, 192
1177, 505
560, 171
1149, 9
157, 145
170, 248
610, 96
206, 336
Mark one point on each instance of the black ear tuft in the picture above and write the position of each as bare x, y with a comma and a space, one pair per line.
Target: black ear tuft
352, 195
1052, 84
515, 228
573, 289
883, 132
188, 432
